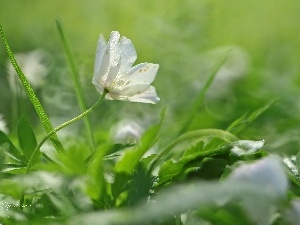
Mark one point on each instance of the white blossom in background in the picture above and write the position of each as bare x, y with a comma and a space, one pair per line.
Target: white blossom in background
235, 67
3, 125
34, 65
126, 132
267, 175
267, 172
114, 71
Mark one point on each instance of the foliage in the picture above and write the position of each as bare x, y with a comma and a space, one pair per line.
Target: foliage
178, 171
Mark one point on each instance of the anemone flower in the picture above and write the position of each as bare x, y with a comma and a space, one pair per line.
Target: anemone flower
115, 73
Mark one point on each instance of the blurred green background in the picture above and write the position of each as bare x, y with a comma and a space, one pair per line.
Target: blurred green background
186, 38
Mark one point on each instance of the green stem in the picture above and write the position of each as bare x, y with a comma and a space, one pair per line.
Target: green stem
225, 135
22, 199
36, 150
77, 85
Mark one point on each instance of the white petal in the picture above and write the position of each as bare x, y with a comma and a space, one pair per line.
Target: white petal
128, 54
148, 96
111, 58
99, 87
99, 52
121, 92
136, 89
143, 73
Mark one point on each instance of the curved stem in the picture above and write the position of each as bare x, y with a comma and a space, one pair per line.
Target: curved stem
36, 150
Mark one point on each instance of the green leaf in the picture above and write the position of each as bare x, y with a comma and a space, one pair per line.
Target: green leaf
131, 157
210, 168
240, 124
27, 139
13, 169
121, 184
199, 196
194, 135
10, 150
32, 96
96, 185
140, 185
147, 160
172, 168
194, 149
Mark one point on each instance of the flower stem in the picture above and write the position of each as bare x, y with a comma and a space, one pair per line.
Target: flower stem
62, 126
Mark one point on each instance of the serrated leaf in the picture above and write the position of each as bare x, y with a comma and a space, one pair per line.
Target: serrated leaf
194, 149
194, 135
140, 185
209, 168
172, 168
147, 160
27, 139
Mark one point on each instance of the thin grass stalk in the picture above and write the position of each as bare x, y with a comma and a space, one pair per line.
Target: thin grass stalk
77, 85
32, 96
202, 93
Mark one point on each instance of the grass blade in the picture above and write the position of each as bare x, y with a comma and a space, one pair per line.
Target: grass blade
240, 124
32, 96
202, 93
77, 85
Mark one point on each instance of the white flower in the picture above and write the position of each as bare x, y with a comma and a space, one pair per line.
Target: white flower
34, 66
267, 172
3, 126
267, 176
114, 72
127, 132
